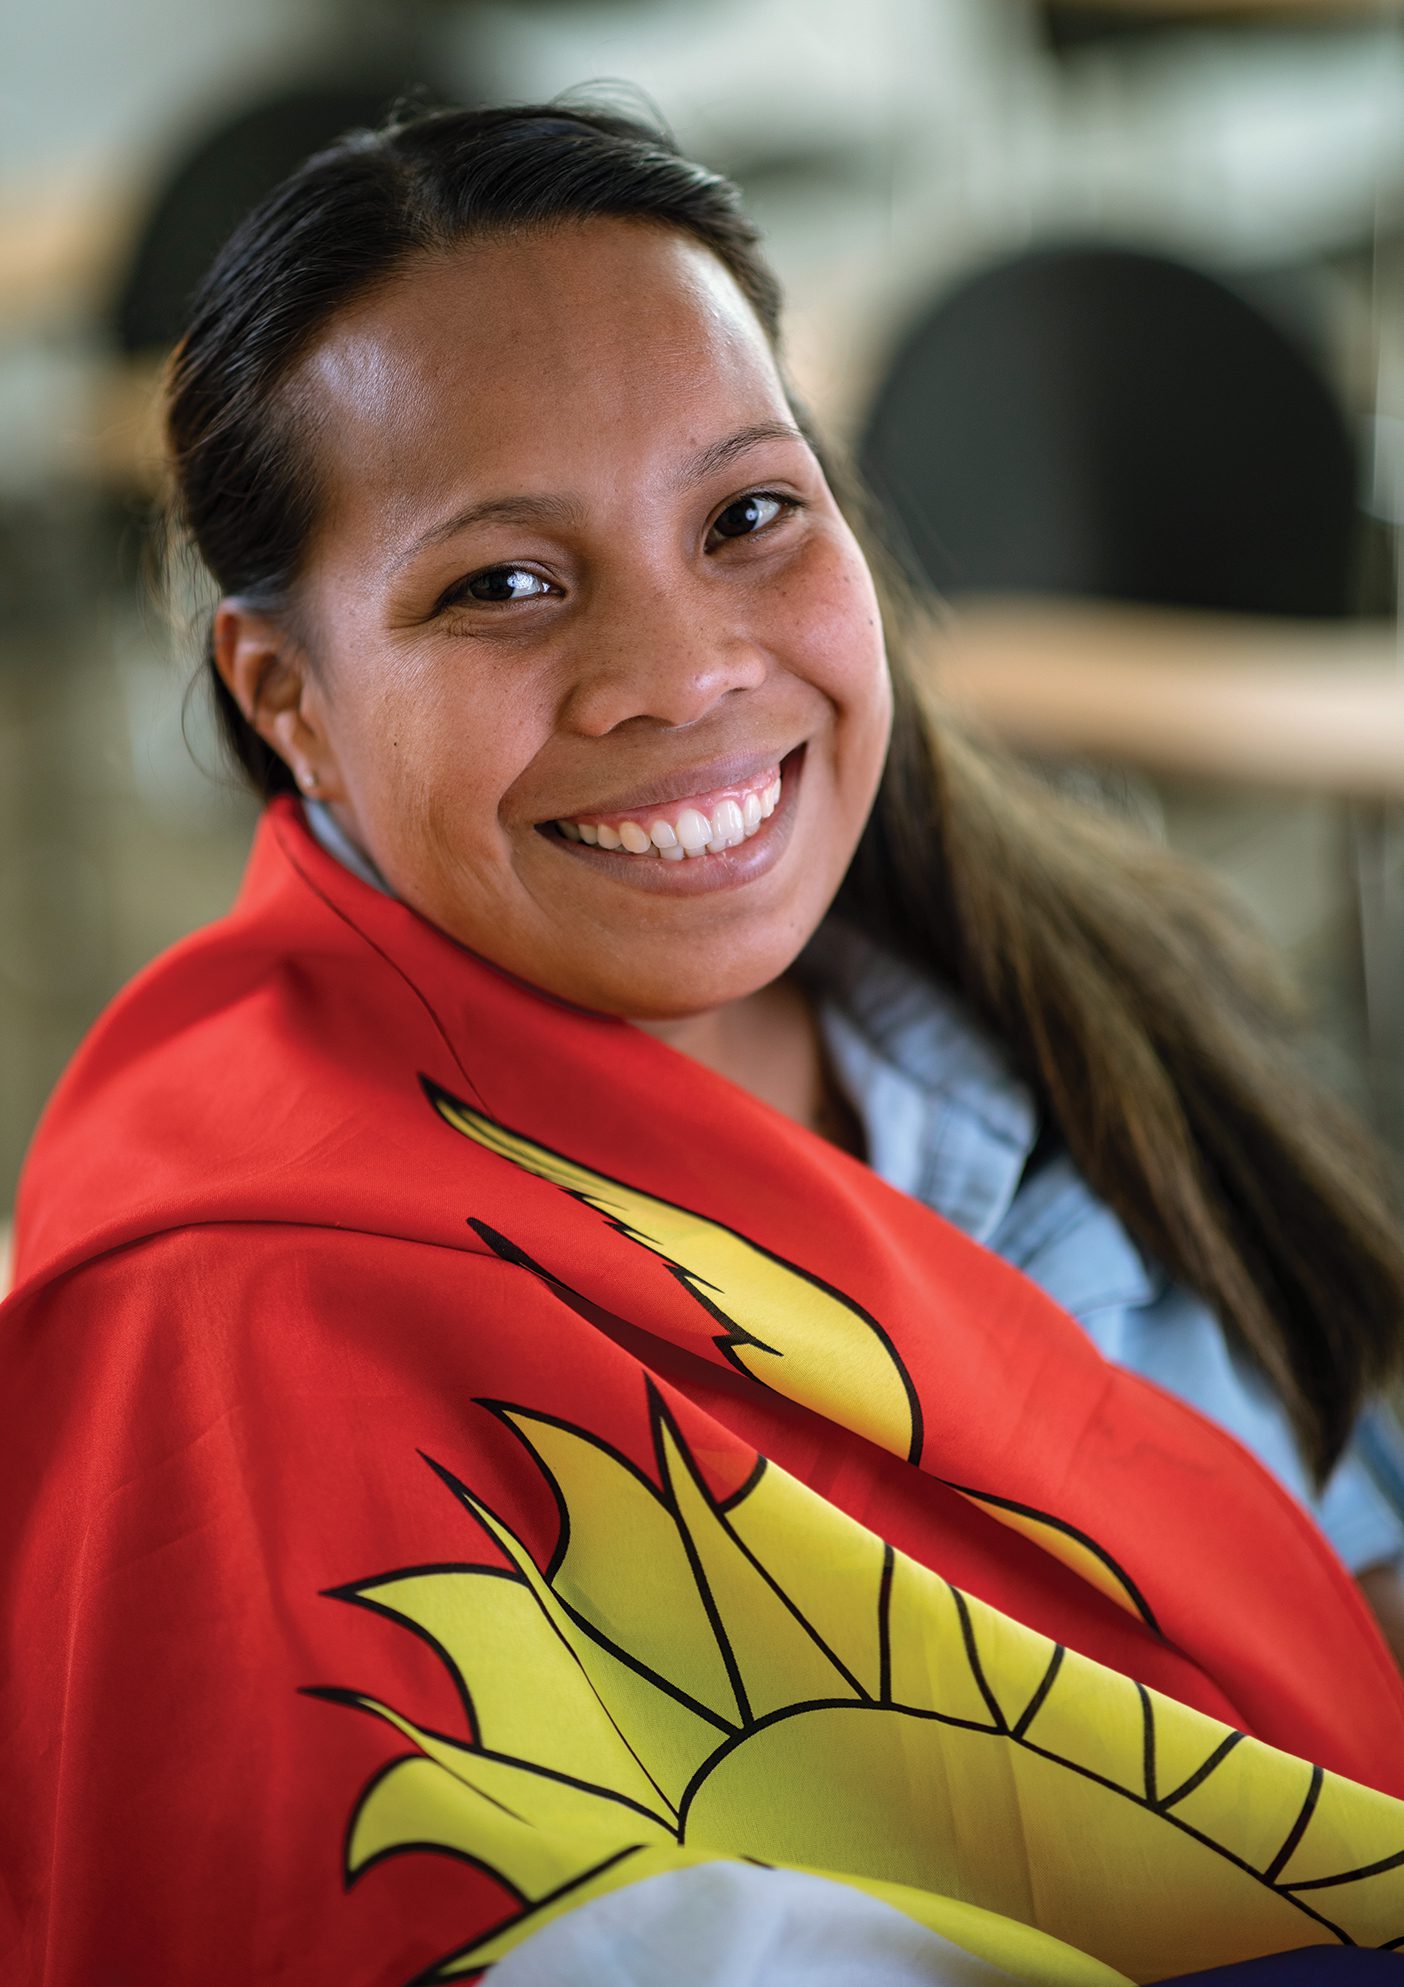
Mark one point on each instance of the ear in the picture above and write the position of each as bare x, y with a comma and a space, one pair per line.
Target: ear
267, 673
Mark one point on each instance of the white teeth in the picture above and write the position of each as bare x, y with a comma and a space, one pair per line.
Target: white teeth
694, 830
692, 834
728, 827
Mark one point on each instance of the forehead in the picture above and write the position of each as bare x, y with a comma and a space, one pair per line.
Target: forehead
533, 362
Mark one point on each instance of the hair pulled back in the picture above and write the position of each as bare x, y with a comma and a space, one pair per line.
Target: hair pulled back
1117, 978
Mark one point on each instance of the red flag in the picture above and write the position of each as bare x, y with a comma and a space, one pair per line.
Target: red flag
463, 1456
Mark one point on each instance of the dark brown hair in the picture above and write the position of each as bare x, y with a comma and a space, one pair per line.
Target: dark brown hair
1122, 986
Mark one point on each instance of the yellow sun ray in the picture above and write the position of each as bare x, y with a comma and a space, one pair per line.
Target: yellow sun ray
530, 1831
416, 1801
777, 1656
1186, 1749
842, 1594
1019, 1667
779, 1324
929, 1667
530, 1697
1330, 1842
1086, 1696
1249, 1802
663, 1622
1082, 1556
1365, 1906
669, 1739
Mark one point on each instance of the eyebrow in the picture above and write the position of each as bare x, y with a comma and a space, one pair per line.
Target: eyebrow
494, 510
719, 454
568, 510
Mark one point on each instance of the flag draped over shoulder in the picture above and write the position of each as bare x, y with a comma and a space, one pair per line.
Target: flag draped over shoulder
463, 1457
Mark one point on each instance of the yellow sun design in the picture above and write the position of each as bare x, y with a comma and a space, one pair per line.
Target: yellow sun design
760, 1677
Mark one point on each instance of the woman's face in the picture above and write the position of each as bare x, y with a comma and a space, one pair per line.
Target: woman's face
580, 602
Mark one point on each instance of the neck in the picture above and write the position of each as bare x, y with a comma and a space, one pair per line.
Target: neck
769, 1043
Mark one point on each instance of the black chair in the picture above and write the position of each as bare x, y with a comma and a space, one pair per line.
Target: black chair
1101, 423
1106, 423
210, 186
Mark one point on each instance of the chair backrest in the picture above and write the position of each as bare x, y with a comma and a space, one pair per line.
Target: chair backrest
209, 187
1108, 423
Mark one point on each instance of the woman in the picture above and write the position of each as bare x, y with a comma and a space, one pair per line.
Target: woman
488, 1438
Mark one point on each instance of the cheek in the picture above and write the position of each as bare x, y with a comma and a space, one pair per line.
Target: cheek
829, 628
442, 740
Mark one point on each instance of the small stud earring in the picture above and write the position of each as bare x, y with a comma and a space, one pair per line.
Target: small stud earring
307, 778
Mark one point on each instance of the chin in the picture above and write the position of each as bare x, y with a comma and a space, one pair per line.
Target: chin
682, 994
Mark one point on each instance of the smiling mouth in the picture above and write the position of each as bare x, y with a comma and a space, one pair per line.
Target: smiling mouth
700, 826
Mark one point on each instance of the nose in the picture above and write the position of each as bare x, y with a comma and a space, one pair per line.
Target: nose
669, 659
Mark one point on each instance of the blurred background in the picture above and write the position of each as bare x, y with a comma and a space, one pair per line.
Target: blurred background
1107, 299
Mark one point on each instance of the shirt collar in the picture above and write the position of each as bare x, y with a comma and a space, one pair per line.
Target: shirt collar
946, 1118
327, 830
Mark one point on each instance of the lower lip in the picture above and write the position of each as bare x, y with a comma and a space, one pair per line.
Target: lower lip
744, 864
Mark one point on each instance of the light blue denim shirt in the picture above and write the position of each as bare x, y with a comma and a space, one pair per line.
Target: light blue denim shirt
948, 1122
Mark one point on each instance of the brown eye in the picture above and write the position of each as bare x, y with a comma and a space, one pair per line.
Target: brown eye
503, 583
749, 514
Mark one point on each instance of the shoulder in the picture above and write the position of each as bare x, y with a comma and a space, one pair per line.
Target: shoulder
202, 1093
951, 1123
152, 1372
1070, 1243
216, 1292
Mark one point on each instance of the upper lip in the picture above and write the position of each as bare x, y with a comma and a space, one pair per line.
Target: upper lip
734, 770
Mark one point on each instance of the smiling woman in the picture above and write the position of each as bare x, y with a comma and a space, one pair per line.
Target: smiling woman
536, 1451
503, 625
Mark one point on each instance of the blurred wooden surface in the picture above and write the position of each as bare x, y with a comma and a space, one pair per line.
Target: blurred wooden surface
61, 246
1300, 706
